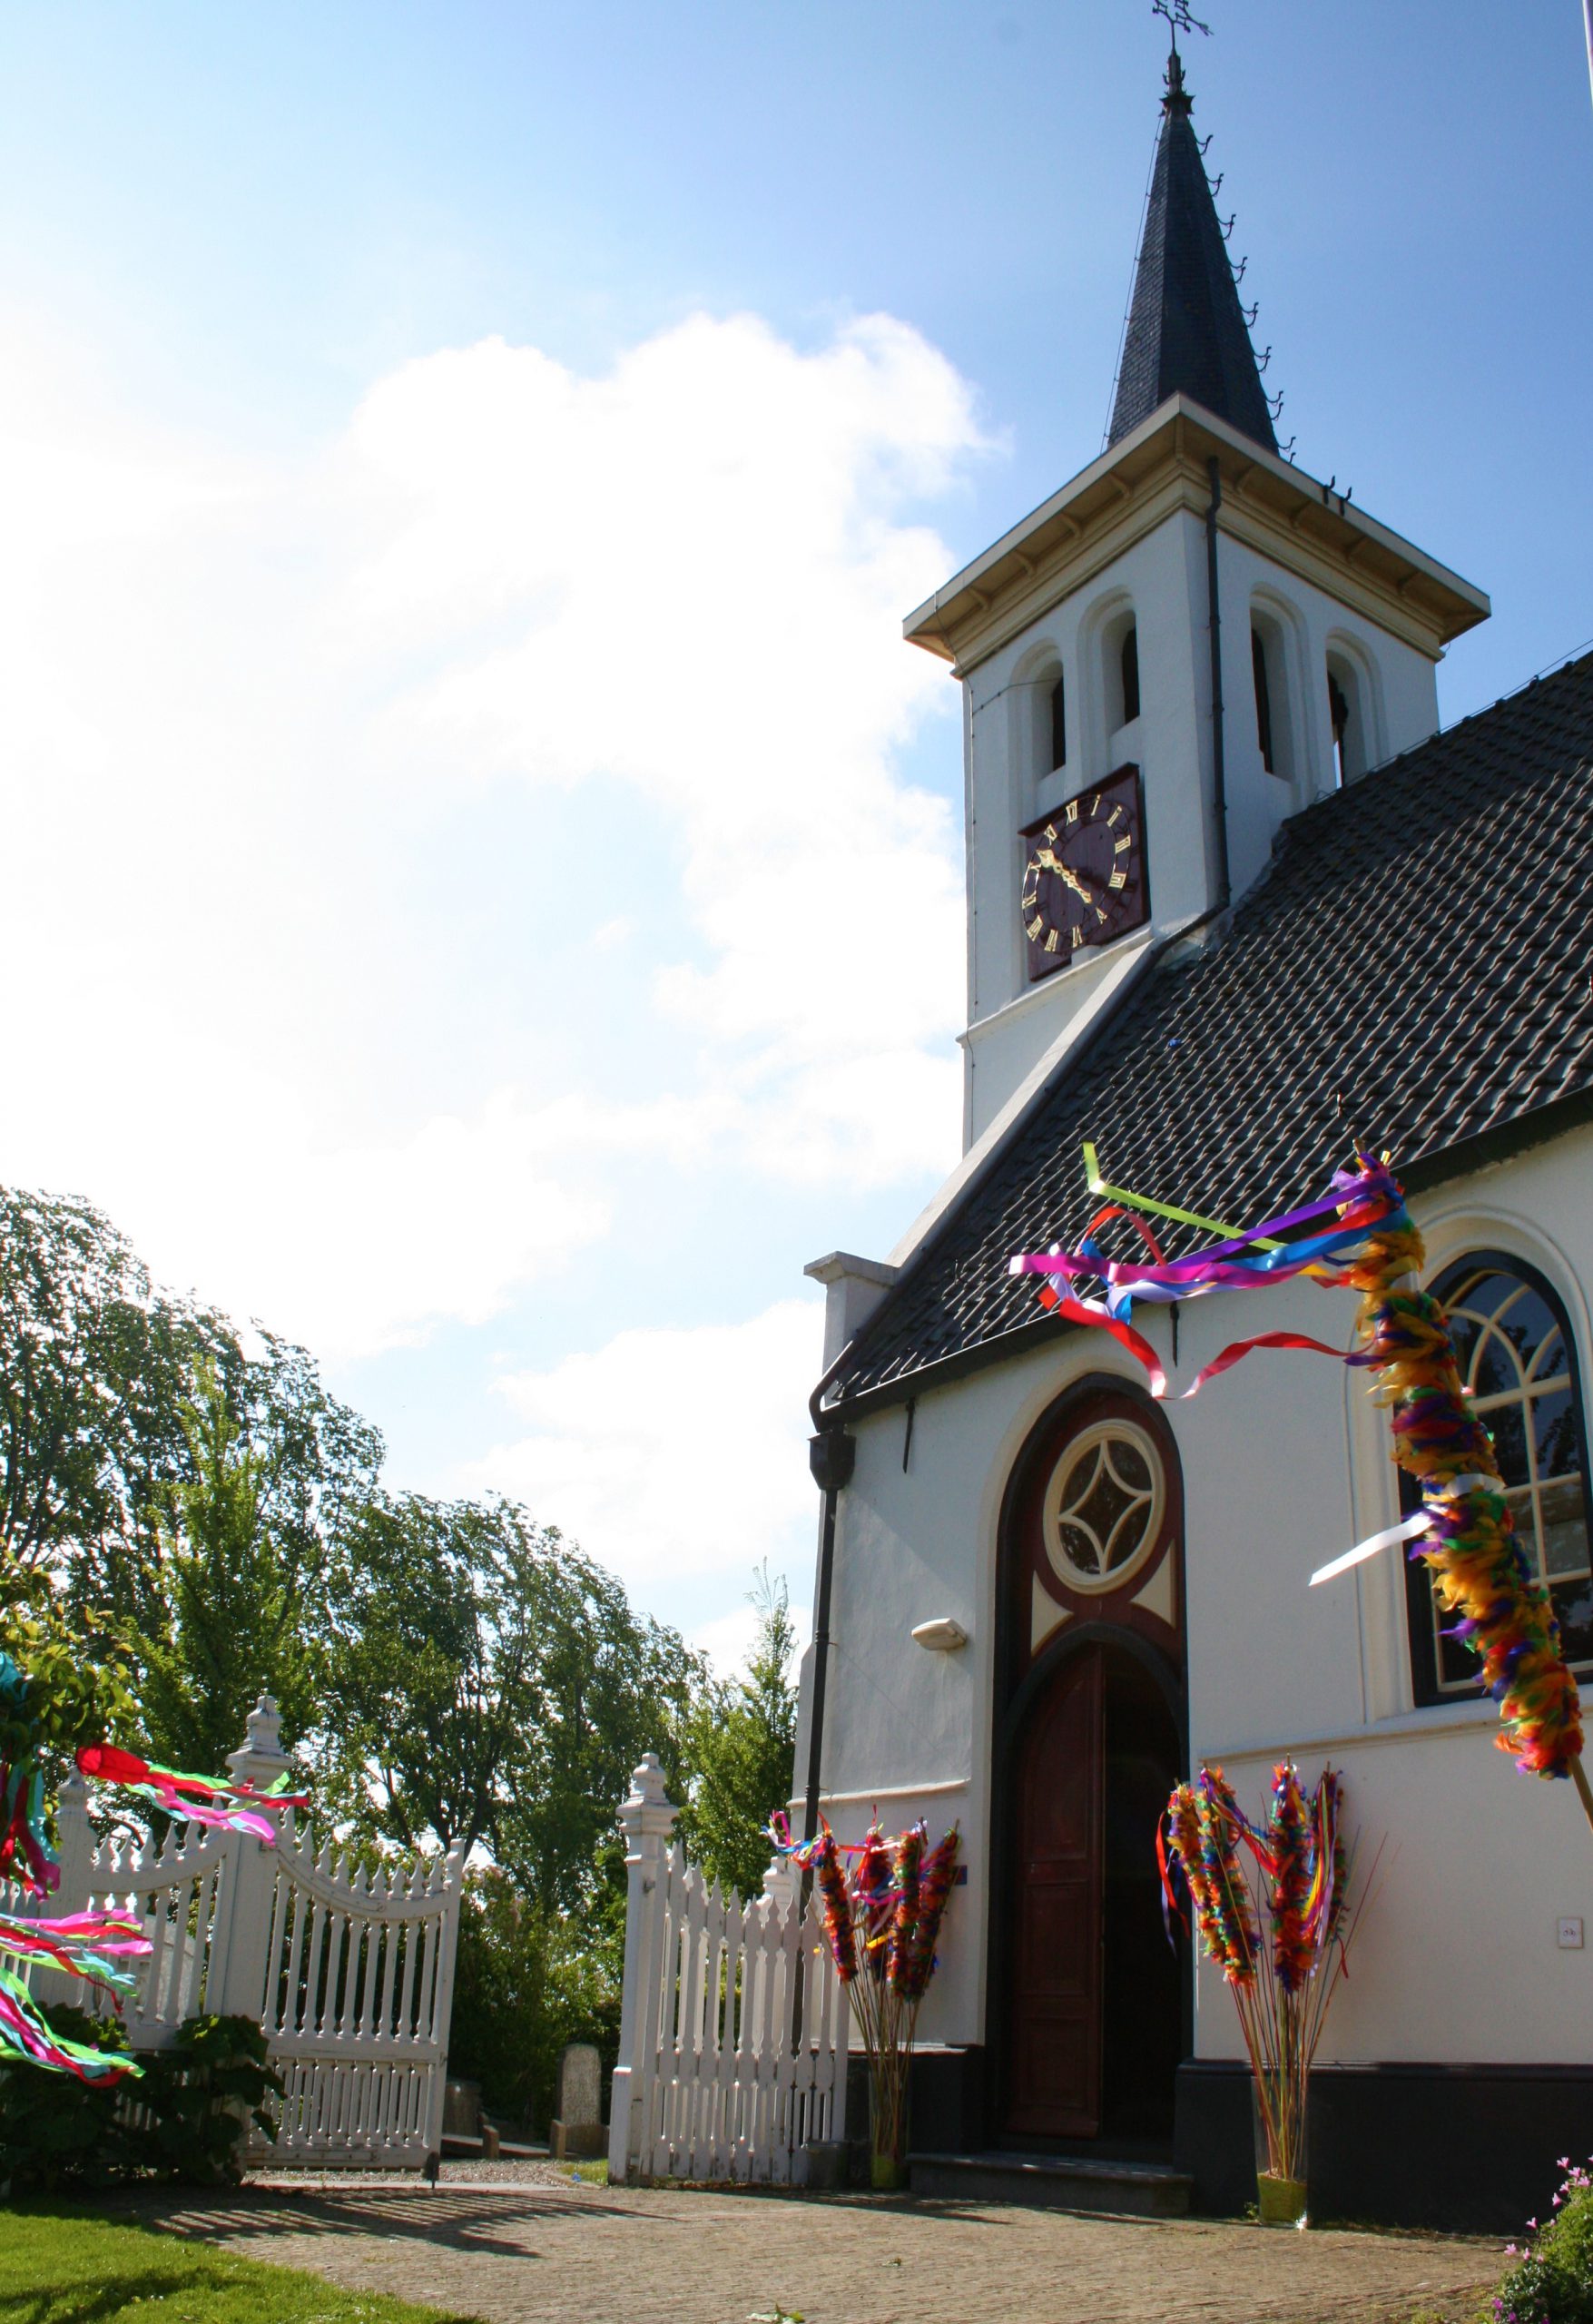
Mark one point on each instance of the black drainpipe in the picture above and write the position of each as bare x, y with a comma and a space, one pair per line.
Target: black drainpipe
1219, 762
832, 1454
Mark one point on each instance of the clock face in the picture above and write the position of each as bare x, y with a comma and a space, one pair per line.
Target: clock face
1084, 874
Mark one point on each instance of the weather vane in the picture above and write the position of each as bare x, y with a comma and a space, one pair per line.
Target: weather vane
1179, 18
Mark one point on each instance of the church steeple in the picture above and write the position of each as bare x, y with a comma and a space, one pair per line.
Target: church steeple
1186, 331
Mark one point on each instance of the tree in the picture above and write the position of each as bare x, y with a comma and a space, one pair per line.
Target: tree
741, 1743
493, 1686
94, 1369
231, 1624
608, 1684
99, 1372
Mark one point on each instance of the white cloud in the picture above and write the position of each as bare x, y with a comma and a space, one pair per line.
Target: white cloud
286, 729
677, 1457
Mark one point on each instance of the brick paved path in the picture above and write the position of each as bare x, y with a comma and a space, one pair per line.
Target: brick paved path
588, 2255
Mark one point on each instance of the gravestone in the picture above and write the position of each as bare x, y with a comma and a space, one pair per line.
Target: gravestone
577, 2127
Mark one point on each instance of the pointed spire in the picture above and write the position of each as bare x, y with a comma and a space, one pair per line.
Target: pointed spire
1186, 332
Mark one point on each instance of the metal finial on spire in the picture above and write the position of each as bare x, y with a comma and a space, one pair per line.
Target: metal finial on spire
1179, 20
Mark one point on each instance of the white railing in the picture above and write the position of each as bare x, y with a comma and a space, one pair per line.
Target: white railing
734, 2029
349, 1971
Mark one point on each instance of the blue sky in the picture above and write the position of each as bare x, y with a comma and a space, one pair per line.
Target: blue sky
465, 470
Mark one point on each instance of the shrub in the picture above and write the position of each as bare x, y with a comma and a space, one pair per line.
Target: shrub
1552, 2279
183, 2118
54, 2129
528, 1981
202, 2094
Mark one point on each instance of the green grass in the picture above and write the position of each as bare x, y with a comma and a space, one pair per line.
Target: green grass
595, 2173
58, 2267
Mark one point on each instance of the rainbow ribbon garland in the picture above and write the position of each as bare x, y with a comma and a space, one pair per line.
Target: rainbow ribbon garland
198, 1800
1361, 1236
27, 2034
91, 1945
82, 1945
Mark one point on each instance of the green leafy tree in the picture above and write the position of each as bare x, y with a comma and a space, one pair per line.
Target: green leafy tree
491, 1684
741, 1743
99, 1372
232, 1623
318, 1461
426, 1688
94, 1368
607, 1685
60, 1686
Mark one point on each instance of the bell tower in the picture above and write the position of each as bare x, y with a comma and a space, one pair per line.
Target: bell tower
1186, 644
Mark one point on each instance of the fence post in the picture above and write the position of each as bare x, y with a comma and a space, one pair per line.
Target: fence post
74, 1852
448, 1939
75, 1836
646, 1820
235, 1982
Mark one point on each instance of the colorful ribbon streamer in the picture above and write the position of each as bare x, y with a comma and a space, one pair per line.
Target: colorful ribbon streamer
199, 1800
1465, 1535
24, 2033
79, 1944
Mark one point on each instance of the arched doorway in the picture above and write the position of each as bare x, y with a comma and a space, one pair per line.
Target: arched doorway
1088, 1999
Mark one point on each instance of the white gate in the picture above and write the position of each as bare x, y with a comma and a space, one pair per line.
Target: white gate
351, 1973
357, 1987
734, 2029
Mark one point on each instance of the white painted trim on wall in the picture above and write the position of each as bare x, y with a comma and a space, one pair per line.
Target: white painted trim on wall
1448, 1719
889, 1791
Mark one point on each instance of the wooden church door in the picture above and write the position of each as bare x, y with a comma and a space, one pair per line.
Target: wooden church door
1085, 1999
1054, 2038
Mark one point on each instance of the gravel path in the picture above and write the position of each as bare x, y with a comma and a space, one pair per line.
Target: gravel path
568, 2253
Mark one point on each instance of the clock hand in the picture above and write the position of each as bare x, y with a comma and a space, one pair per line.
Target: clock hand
1076, 883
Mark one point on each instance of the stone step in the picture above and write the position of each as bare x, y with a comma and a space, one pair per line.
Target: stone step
1061, 2181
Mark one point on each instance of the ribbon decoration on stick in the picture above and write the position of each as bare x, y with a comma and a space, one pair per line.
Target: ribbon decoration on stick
1361, 1236
223, 1801
24, 2033
81, 1944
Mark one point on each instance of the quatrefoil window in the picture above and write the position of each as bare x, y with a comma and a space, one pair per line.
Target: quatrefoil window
1104, 1506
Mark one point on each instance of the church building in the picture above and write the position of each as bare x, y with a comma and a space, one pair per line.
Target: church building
1234, 902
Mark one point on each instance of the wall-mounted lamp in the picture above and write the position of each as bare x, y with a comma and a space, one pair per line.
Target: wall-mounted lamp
942, 1636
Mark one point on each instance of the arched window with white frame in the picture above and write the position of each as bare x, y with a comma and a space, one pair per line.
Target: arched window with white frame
1517, 1362
1354, 718
1119, 668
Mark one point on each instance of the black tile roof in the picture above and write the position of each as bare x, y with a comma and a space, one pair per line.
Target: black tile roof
1186, 328
1421, 947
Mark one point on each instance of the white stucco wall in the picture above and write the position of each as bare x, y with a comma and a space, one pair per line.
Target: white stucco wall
1285, 1462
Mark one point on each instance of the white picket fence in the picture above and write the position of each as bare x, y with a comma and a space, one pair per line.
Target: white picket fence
350, 1972
734, 2029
